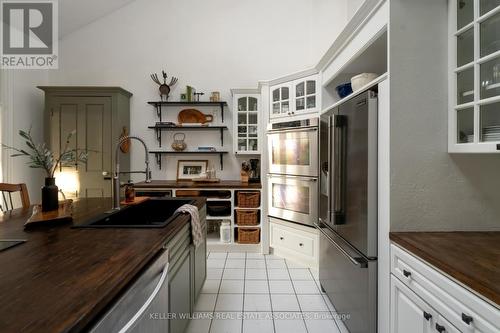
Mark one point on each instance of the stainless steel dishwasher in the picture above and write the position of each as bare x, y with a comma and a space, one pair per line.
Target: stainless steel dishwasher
144, 305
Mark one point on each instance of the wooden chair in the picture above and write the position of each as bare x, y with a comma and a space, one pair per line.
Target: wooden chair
9, 189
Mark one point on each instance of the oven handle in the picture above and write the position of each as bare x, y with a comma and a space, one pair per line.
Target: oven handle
305, 179
358, 261
301, 129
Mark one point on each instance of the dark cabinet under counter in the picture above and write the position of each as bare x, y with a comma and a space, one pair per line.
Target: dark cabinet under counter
225, 201
169, 184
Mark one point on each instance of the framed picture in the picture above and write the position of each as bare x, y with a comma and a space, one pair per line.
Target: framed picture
188, 170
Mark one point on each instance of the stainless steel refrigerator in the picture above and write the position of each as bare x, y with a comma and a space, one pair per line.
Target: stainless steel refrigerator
348, 210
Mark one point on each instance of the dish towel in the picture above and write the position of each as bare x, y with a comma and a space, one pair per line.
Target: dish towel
196, 227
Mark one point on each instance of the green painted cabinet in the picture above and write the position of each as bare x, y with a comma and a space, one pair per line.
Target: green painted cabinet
187, 274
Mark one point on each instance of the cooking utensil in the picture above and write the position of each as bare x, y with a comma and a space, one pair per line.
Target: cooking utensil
193, 116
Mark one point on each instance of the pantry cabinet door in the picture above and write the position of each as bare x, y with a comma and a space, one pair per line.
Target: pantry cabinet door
91, 119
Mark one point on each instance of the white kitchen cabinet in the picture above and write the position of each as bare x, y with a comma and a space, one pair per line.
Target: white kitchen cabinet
280, 97
296, 242
409, 313
294, 98
247, 114
306, 95
454, 308
474, 76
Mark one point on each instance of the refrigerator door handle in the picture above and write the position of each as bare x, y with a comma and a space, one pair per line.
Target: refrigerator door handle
356, 261
340, 147
329, 170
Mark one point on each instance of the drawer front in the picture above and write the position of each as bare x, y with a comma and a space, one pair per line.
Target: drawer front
451, 300
448, 327
294, 240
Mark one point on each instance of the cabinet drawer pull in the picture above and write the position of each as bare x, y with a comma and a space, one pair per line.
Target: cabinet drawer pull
406, 273
440, 328
281, 238
300, 244
427, 316
466, 319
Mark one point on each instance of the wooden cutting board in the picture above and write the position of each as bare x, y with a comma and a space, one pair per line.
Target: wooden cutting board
137, 200
193, 116
61, 215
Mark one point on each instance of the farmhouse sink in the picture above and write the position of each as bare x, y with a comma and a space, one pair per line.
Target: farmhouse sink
152, 213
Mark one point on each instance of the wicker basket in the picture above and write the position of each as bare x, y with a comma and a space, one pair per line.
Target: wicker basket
248, 199
248, 235
247, 217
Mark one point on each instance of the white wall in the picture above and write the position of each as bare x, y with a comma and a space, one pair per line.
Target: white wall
431, 189
352, 7
26, 109
211, 45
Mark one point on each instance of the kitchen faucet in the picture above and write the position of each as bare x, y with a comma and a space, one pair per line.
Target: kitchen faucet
116, 175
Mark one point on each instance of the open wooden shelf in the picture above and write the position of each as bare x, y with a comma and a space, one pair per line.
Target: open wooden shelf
158, 154
159, 128
159, 104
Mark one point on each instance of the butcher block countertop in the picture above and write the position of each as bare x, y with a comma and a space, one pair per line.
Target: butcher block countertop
471, 258
62, 279
188, 184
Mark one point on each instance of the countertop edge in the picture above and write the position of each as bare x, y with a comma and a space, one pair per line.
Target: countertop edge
480, 290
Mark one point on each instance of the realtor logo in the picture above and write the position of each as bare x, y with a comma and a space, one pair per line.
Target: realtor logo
29, 34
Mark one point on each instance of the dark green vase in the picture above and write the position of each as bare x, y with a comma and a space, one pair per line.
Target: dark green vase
50, 194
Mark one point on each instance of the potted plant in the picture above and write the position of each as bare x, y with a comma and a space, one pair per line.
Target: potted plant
41, 157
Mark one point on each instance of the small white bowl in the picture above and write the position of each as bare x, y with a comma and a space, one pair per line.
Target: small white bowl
362, 79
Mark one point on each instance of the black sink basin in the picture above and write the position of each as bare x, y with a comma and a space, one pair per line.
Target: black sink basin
152, 213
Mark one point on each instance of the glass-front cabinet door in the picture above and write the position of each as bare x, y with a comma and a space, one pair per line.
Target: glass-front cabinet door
474, 76
306, 97
280, 101
247, 118
295, 97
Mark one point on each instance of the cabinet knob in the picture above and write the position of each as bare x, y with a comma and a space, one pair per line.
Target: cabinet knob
440, 328
406, 273
466, 319
289, 114
427, 316
281, 238
300, 244
293, 112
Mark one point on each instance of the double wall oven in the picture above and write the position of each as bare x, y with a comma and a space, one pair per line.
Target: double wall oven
293, 170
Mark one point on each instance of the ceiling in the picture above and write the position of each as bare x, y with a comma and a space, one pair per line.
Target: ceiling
75, 14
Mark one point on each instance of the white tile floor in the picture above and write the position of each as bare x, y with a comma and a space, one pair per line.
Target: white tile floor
254, 293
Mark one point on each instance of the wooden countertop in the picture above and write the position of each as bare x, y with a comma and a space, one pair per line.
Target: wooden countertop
185, 184
62, 279
471, 258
